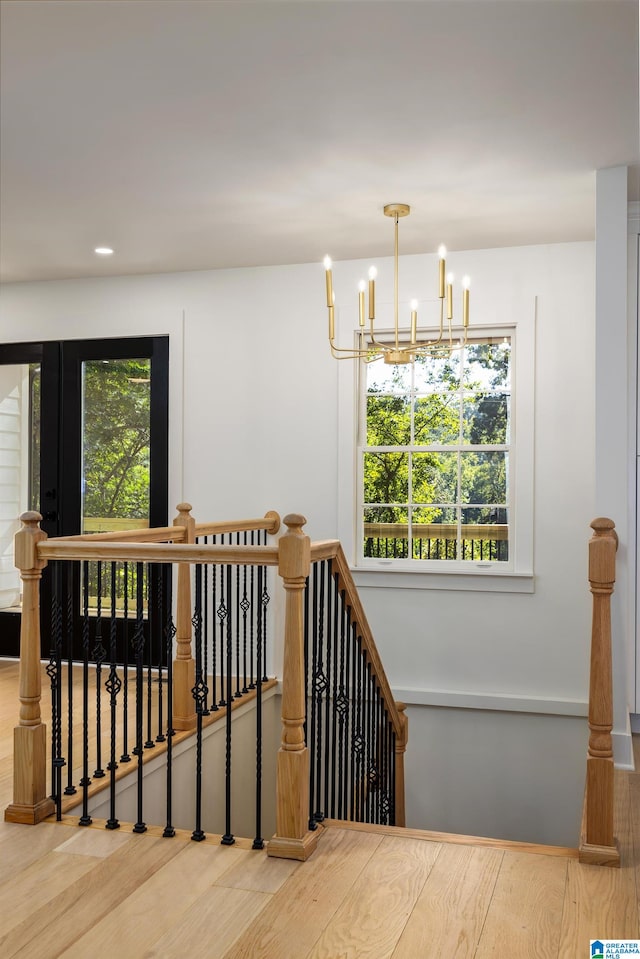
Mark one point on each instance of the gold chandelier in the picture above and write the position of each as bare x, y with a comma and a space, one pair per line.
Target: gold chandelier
401, 346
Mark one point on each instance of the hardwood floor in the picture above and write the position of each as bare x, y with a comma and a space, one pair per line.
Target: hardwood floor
367, 893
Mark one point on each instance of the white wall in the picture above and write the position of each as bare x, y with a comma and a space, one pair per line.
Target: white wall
259, 403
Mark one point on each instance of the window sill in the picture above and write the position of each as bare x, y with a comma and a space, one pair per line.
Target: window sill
488, 580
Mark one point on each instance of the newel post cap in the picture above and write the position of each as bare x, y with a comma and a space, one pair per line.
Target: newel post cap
26, 541
294, 549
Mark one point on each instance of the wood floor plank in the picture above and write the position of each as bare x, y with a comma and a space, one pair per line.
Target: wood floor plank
41, 882
260, 873
373, 915
58, 923
600, 904
22, 845
297, 914
450, 913
158, 904
211, 926
525, 912
94, 842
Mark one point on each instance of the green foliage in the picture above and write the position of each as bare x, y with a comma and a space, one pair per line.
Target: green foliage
116, 434
414, 413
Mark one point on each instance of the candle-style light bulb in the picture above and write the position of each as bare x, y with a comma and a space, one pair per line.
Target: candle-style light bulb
414, 320
327, 266
442, 254
373, 272
466, 283
361, 288
450, 296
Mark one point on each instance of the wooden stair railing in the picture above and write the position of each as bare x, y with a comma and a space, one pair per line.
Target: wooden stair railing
598, 844
293, 553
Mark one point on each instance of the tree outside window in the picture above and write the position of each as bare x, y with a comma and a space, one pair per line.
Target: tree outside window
435, 460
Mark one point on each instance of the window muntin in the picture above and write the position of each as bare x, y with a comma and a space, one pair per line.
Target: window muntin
435, 463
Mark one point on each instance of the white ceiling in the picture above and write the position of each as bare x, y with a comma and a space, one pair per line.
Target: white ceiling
197, 135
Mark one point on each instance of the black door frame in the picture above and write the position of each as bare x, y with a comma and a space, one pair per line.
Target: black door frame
60, 442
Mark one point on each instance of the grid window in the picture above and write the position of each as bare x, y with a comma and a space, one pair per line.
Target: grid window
435, 460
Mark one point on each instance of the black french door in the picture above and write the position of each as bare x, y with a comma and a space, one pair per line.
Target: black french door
83, 440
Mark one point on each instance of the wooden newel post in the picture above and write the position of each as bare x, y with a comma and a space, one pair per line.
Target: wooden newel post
184, 676
293, 838
401, 748
30, 802
598, 844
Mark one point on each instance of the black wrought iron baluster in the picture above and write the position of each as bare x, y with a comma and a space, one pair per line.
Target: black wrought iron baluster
353, 646
214, 658
222, 613
335, 615
392, 766
205, 631
255, 612
237, 694
158, 628
99, 655
138, 647
328, 707
85, 818
310, 659
227, 839
371, 768
360, 736
348, 719
70, 610
54, 671
265, 599
341, 702
169, 634
113, 687
258, 842
200, 696
149, 742
319, 687
125, 757
245, 605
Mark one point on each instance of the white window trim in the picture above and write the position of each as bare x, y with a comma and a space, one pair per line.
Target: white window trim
518, 574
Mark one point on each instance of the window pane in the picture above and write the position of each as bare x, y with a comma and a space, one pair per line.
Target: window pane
434, 533
485, 534
483, 478
437, 419
439, 373
19, 458
487, 365
116, 417
382, 378
386, 533
388, 421
486, 419
434, 477
386, 477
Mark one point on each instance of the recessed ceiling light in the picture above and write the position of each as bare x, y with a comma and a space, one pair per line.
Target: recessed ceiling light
103, 250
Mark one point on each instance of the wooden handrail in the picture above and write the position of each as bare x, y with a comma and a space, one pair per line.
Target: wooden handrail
598, 845
270, 522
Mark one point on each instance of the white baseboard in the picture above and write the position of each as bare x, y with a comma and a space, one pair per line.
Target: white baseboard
502, 702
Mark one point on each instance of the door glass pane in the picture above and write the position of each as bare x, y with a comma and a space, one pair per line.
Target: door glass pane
116, 431
19, 465
116, 427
